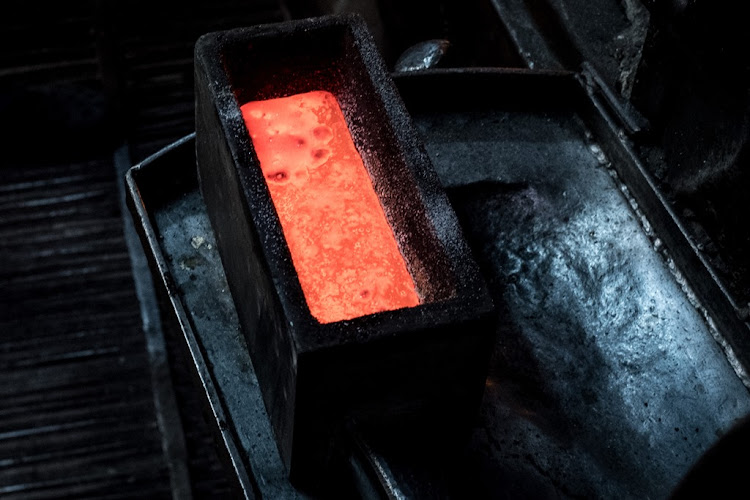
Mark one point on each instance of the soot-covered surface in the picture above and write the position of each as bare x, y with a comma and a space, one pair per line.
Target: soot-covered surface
194, 264
605, 381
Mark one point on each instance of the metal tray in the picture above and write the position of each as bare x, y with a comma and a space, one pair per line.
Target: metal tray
607, 379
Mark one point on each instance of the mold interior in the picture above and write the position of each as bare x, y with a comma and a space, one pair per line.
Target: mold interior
281, 64
342, 247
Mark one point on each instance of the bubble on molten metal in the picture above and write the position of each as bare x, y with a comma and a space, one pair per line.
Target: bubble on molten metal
342, 246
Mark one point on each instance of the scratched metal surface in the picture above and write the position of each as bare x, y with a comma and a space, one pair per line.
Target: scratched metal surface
605, 380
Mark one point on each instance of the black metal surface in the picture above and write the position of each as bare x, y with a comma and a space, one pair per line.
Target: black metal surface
606, 380
628, 382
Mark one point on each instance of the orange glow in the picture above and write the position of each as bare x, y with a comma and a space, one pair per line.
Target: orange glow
342, 246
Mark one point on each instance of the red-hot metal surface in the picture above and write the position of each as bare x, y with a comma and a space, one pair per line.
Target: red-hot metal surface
342, 246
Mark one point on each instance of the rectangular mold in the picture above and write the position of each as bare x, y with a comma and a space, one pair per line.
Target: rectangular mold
426, 360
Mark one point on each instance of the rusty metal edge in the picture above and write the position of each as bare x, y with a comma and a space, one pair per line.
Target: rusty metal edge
246, 485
